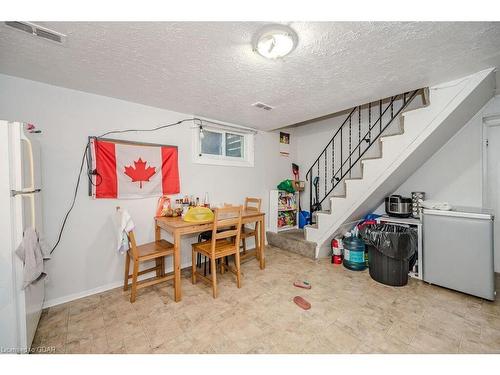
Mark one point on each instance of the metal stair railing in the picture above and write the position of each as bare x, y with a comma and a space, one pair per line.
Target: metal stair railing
347, 154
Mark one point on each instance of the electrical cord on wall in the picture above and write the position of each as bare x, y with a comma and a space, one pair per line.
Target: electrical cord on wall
74, 198
90, 172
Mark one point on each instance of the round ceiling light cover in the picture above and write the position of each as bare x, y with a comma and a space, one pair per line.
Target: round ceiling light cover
275, 41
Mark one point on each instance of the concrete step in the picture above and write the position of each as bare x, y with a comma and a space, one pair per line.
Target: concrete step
293, 240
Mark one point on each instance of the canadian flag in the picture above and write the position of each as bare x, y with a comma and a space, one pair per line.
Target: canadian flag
128, 170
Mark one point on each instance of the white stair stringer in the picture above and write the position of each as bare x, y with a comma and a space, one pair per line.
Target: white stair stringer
426, 129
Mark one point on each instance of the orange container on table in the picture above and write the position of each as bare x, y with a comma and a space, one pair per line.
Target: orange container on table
162, 206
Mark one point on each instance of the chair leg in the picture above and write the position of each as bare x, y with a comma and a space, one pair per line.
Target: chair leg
244, 245
193, 267
214, 277
205, 267
198, 255
257, 246
133, 294
127, 270
222, 260
162, 273
158, 264
238, 268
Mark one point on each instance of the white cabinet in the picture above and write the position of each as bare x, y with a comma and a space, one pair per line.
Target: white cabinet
458, 250
283, 210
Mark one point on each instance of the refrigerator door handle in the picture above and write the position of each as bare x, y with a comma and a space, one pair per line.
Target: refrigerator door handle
30, 159
13, 193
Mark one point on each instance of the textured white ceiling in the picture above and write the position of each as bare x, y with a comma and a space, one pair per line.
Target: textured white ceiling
209, 69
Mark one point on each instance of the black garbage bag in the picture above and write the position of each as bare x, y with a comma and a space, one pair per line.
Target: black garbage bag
391, 252
394, 241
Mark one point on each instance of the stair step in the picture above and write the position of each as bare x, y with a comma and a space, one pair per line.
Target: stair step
394, 127
390, 135
293, 240
339, 196
315, 226
371, 157
327, 212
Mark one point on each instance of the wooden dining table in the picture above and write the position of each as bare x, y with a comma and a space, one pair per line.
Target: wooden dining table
177, 227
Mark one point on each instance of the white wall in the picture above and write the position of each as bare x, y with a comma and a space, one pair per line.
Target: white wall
85, 260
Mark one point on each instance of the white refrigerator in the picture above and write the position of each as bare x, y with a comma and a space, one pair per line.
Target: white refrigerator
20, 208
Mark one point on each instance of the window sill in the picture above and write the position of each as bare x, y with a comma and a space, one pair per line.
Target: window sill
222, 162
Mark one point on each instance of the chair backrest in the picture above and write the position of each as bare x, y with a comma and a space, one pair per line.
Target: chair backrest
252, 204
132, 244
228, 218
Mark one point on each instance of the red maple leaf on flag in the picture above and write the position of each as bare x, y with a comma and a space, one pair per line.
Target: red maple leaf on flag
139, 172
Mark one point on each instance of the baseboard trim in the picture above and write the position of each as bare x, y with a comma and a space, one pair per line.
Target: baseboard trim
100, 289
89, 292
71, 297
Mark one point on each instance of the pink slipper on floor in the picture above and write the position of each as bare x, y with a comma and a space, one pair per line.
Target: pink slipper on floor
302, 284
302, 303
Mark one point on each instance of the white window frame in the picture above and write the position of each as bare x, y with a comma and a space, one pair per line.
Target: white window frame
247, 160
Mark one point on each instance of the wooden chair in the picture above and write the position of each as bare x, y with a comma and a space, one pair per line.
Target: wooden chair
251, 204
156, 251
224, 242
206, 236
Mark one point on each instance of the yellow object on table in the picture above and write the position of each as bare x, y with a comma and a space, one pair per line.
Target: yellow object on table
198, 214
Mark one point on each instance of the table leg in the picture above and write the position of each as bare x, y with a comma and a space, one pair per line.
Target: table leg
262, 243
159, 262
258, 250
157, 233
177, 267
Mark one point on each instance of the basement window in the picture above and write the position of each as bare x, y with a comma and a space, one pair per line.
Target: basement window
223, 146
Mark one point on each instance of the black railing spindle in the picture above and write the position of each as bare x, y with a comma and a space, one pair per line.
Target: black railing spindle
350, 144
333, 163
359, 128
326, 175
310, 192
369, 120
341, 152
380, 113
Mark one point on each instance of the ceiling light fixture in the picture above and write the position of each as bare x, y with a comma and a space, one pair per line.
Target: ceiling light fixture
275, 41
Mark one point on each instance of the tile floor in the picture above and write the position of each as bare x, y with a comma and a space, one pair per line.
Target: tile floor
350, 313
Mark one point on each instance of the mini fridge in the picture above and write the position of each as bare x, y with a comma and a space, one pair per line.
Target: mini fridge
458, 250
